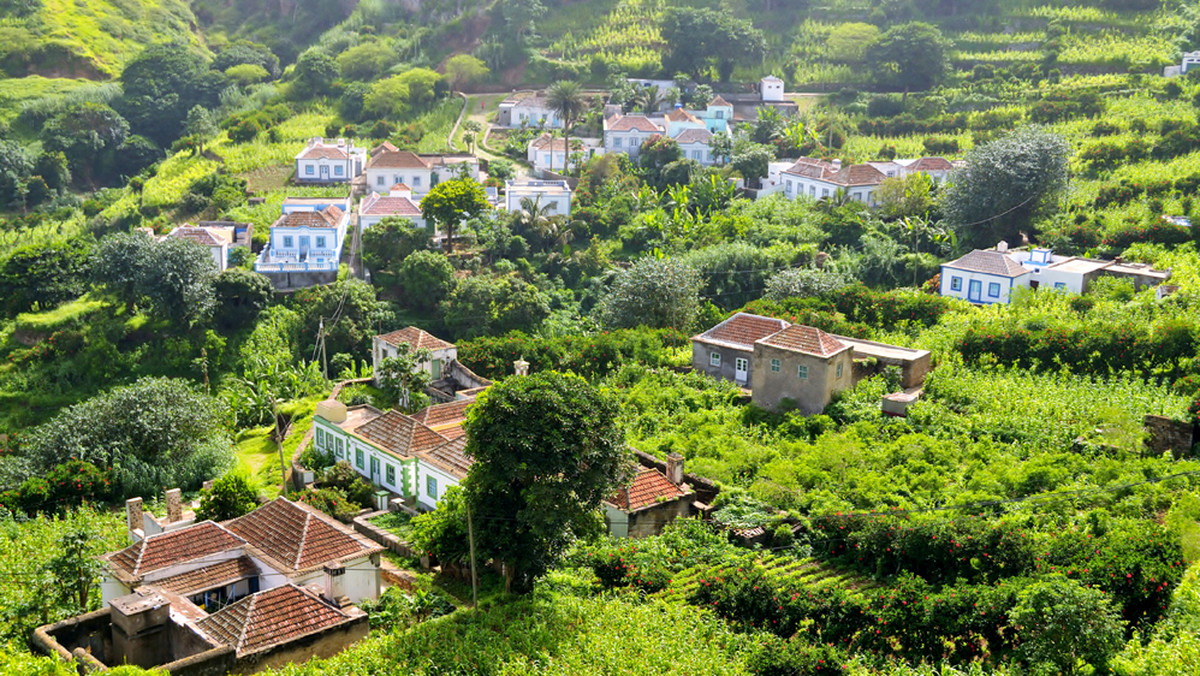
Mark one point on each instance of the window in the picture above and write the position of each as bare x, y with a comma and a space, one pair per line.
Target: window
788, 187
956, 283
617, 141
774, 366
812, 191
416, 181
839, 371
390, 471
802, 372
824, 192
714, 359
431, 487
697, 155
320, 438
1060, 286
379, 180
339, 448
994, 290
320, 242
338, 170
288, 242
720, 115
358, 459
308, 169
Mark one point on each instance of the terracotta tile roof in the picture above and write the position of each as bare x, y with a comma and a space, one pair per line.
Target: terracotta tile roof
742, 330
857, 174
377, 205
270, 618
931, 164
718, 101
545, 142
324, 152
401, 435
440, 415
329, 217
648, 487
399, 187
385, 147
806, 339
294, 536
415, 338
681, 115
631, 123
693, 136
178, 546
990, 262
209, 577
812, 168
450, 457
397, 159
197, 235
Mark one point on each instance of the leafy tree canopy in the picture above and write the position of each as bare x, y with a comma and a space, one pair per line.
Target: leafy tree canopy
911, 56
231, 496
43, 275
426, 277
653, 292
698, 39
162, 84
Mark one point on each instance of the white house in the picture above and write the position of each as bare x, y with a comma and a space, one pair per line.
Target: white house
295, 204
389, 166
771, 88
694, 145
213, 565
546, 153
817, 179
679, 119
984, 277
1190, 60
329, 162
441, 352
627, 133
216, 240
555, 194
398, 202
304, 242
527, 108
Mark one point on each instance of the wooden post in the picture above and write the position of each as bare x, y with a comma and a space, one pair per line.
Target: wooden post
474, 579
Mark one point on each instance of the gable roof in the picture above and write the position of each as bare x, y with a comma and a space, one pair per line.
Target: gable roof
857, 174
546, 142
329, 217
270, 618
450, 457
988, 262
415, 338
294, 536
209, 577
719, 101
161, 550
806, 340
324, 152
648, 487
681, 115
398, 205
631, 123
396, 159
195, 234
930, 164
742, 330
440, 416
400, 434
812, 168
693, 136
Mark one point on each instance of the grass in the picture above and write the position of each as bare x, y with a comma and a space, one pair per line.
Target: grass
436, 125
60, 316
108, 34
258, 457
16, 91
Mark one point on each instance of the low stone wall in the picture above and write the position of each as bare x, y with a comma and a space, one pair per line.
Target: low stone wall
393, 543
1164, 434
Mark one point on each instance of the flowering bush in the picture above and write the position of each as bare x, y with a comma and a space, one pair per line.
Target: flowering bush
332, 501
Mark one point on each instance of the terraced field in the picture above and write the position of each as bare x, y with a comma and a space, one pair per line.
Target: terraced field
784, 570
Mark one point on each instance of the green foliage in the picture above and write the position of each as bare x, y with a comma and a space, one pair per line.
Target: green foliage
154, 434
804, 283
1065, 628
405, 376
892, 56
241, 296
345, 479
161, 85
442, 533
231, 496
390, 241
592, 357
356, 308
493, 305
41, 276
653, 292
174, 277
546, 451
426, 278
449, 203
700, 39
396, 607
331, 501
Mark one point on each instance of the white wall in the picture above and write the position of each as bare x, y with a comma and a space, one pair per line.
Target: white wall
1005, 285
325, 170
1047, 279
561, 202
381, 180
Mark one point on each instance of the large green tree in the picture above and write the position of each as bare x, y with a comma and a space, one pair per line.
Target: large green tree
482, 305
547, 450
173, 278
155, 434
85, 133
699, 39
241, 295
654, 292
350, 312
451, 202
426, 277
387, 243
911, 57
1006, 186
162, 84
43, 274
1063, 627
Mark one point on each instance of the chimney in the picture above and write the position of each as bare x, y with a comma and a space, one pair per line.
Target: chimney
133, 516
521, 367
675, 468
1001, 246
207, 485
837, 164
174, 505
140, 627
335, 584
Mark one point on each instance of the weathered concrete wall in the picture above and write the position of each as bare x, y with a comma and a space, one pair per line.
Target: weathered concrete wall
701, 361
651, 520
1164, 434
320, 645
810, 394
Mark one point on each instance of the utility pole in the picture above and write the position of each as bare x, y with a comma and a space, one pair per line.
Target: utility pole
324, 357
474, 579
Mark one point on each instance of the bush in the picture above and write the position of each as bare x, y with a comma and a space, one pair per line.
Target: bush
343, 477
74, 482
331, 501
231, 496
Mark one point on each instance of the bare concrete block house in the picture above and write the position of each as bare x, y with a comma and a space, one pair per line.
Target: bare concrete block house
803, 365
727, 349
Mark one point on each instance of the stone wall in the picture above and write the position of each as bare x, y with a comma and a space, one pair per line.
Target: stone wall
1164, 434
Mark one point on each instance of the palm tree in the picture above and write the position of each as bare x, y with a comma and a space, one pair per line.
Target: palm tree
472, 128
565, 98
650, 99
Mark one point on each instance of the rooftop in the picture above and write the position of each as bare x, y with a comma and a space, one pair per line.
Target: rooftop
400, 434
329, 217
161, 550
990, 262
202, 235
693, 136
742, 330
450, 456
631, 123
271, 617
649, 486
387, 158
806, 340
208, 577
295, 536
415, 338
399, 205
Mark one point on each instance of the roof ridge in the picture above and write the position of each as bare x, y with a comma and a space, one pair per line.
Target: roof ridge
308, 516
245, 628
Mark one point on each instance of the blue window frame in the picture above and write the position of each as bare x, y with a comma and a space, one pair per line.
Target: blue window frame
320, 242
288, 242
416, 181
431, 487
994, 290
338, 170
1060, 286
308, 169
956, 283
774, 366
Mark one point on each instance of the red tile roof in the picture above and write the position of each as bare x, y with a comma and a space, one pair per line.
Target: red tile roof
399, 434
178, 546
376, 205
397, 159
197, 235
681, 115
742, 330
631, 123
857, 174
416, 339
324, 152
329, 217
439, 415
693, 136
806, 339
270, 618
546, 142
209, 577
718, 101
648, 487
294, 536
931, 164
812, 168
989, 262
450, 457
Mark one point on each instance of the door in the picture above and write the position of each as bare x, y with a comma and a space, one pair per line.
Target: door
741, 369
375, 470
437, 369
975, 291
324, 173
304, 245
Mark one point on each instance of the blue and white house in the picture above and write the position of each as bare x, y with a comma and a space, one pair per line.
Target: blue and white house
335, 161
984, 276
305, 245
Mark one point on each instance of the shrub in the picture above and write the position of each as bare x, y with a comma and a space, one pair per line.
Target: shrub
231, 496
74, 482
343, 477
331, 501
